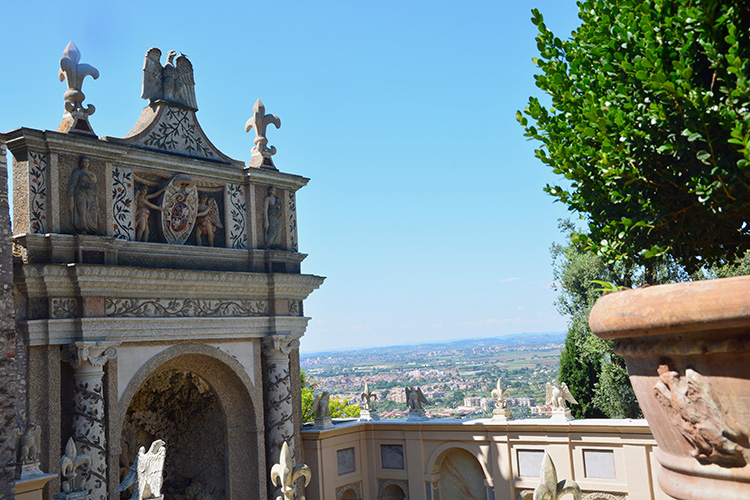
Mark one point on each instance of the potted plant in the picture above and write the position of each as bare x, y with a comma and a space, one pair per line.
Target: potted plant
649, 123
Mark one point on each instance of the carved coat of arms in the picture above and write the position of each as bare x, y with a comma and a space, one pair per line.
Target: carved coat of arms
180, 207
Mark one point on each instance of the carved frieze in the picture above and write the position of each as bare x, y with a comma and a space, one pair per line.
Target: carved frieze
63, 308
293, 246
178, 131
38, 193
122, 203
184, 307
691, 407
236, 218
295, 308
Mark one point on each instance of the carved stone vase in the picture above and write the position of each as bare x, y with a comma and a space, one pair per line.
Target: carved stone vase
687, 348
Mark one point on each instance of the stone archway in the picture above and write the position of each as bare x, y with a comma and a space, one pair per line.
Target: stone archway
179, 407
461, 476
217, 421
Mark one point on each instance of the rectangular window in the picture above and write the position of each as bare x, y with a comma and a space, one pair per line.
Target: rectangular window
599, 463
345, 460
530, 462
392, 456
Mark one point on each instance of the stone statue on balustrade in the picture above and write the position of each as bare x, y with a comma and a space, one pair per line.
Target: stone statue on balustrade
320, 407
414, 401
82, 199
172, 83
501, 413
146, 473
368, 411
72, 485
557, 396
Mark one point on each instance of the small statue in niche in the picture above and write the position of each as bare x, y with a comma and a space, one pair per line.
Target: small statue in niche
27, 444
143, 212
272, 219
207, 220
84, 209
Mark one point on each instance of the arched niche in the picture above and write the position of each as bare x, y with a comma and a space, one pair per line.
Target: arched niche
460, 475
211, 418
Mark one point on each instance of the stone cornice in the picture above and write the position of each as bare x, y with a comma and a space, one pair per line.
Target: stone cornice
170, 330
74, 280
48, 141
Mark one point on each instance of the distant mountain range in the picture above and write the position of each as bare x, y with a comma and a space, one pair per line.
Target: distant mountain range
514, 341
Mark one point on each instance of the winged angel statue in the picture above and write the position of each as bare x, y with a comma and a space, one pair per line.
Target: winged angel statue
557, 395
146, 472
172, 83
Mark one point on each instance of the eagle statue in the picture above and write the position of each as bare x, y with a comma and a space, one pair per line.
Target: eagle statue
557, 395
172, 83
146, 472
320, 405
415, 398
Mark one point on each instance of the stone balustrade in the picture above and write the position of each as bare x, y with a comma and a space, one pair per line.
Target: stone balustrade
479, 459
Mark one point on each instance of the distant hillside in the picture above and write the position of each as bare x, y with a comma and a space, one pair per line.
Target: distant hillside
512, 342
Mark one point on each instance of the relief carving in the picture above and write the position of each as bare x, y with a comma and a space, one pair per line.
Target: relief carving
236, 217
207, 220
84, 209
179, 132
293, 245
143, 212
272, 212
179, 209
691, 407
184, 307
63, 308
37, 192
122, 203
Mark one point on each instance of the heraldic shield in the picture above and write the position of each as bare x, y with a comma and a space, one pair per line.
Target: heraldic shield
179, 209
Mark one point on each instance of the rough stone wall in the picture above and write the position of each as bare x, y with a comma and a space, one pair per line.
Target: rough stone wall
7, 341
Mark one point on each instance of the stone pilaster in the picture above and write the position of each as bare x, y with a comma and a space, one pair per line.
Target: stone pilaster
279, 408
7, 342
89, 424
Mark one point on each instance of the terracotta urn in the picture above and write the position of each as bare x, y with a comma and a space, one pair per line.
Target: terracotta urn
687, 348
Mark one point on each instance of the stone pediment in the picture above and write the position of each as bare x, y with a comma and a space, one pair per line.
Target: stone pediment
172, 129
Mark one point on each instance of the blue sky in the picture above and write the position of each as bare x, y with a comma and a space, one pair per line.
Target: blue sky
425, 208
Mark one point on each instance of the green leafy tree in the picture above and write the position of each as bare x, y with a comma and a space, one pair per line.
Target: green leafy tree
340, 408
337, 407
649, 123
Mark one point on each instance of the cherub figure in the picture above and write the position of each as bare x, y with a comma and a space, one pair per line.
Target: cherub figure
143, 212
207, 220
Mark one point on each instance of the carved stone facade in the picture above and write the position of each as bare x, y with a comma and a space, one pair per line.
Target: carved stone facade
140, 272
7, 343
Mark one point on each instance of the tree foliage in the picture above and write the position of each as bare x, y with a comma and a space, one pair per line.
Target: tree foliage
650, 124
337, 407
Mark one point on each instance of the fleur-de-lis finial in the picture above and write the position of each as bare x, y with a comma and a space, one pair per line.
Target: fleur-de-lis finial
285, 474
549, 488
261, 153
367, 396
69, 463
76, 116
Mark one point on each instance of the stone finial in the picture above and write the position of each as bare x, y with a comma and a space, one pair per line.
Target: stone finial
146, 472
499, 393
70, 462
367, 397
549, 488
261, 154
76, 117
285, 474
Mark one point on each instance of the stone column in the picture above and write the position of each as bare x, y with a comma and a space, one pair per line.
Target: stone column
89, 427
279, 409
